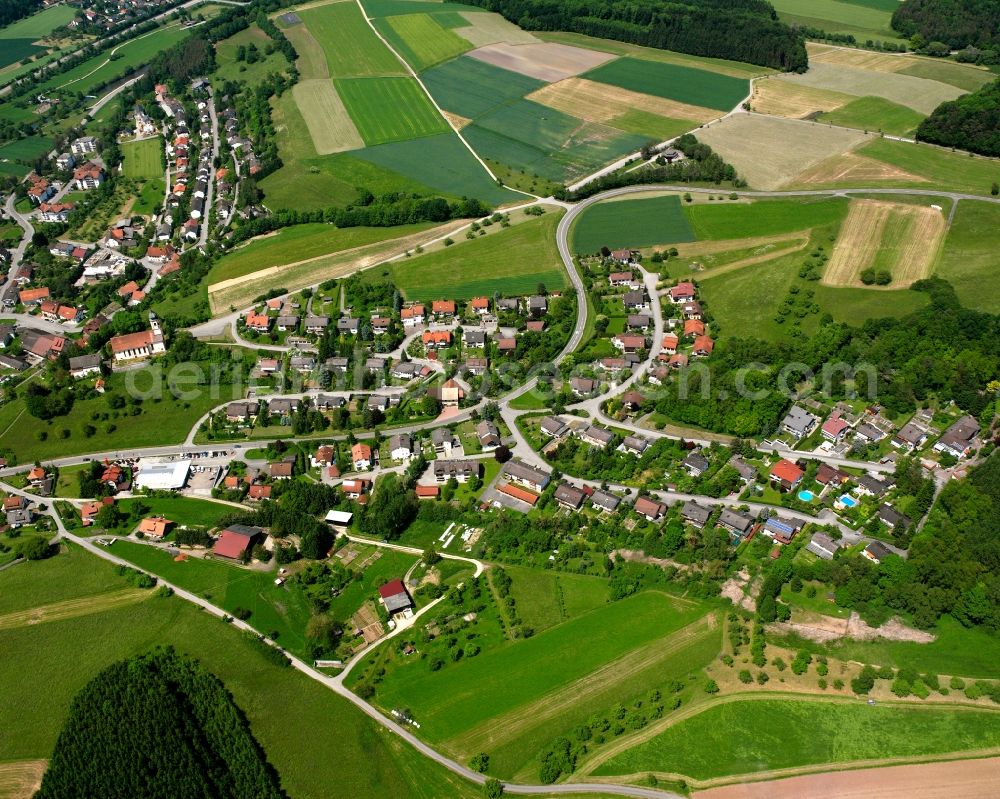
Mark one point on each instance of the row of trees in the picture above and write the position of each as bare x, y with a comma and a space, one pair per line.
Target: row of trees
740, 30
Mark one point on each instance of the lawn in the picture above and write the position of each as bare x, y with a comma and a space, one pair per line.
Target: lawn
512, 261
228, 68
673, 82
143, 159
421, 40
298, 243
969, 258
319, 743
720, 221
441, 163
183, 511
351, 46
472, 88
514, 699
743, 737
68, 484
389, 109
632, 223
875, 113
546, 598
27, 149
41, 24
164, 421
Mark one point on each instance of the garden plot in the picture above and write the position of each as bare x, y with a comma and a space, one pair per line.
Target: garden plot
602, 102
899, 238
769, 152
330, 126
485, 29
916, 93
548, 62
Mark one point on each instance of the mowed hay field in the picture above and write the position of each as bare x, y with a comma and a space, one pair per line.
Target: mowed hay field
330, 126
602, 102
632, 223
903, 239
697, 87
351, 47
784, 99
770, 152
421, 39
143, 159
511, 260
744, 737
484, 28
389, 109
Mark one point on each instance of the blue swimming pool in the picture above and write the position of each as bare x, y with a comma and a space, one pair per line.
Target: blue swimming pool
806, 495
848, 501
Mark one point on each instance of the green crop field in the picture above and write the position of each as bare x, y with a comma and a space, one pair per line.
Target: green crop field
443, 164
389, 109
875, 113
969, 258
16, 49
546, 598
741, 737
472, 88
97, 71
865, 19
228, 68
683, 84
320, 744
421, 40
184, 511
27, 149
351, 46
646, 124
720, 221
143, 159
298, 243
631, 223
512, 260
531, 137
41, 24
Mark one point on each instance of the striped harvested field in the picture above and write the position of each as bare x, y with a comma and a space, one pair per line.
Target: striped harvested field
602, 102
330, 126
71, 608
784, 99
854, 168
862, 59
19, 779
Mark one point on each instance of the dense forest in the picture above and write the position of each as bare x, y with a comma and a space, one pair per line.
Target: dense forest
13, 10
970, 122
956, 23
964, 359
158, 725
740, 30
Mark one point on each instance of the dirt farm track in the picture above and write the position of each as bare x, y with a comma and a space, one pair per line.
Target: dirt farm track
958, 779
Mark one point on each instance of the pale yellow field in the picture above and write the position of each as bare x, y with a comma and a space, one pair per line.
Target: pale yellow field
854, 167
330, 126
905, 239
486, 28
601, 102
548, 62
784, 99
457, 121
864, 59
311, 63
769, 152
19, 779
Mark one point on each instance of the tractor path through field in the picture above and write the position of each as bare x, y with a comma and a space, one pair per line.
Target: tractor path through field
517, 722
72, 608
791, 246
19, 779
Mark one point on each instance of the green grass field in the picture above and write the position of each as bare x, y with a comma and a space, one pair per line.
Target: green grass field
875, 114
150, 197
866, 19
27, 149
319, 743
632, 223
509, 689
389, 109
16, 49
297, 243
547, 598
351, 46
684, 84
472, 88
969, 258
743, 737
392, 8
513, 261
961, 75
441, 163
143, 159
41, 24
530, 137
658, 127
421, 40
720, 221
183, 511
228, 68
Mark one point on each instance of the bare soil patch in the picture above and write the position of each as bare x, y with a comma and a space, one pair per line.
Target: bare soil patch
854, 169
601, 102
770, 151
784, 99
548, 62
455, 120
820, 628
735, 589
20, 779
902, 238
330, 126
960, 779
